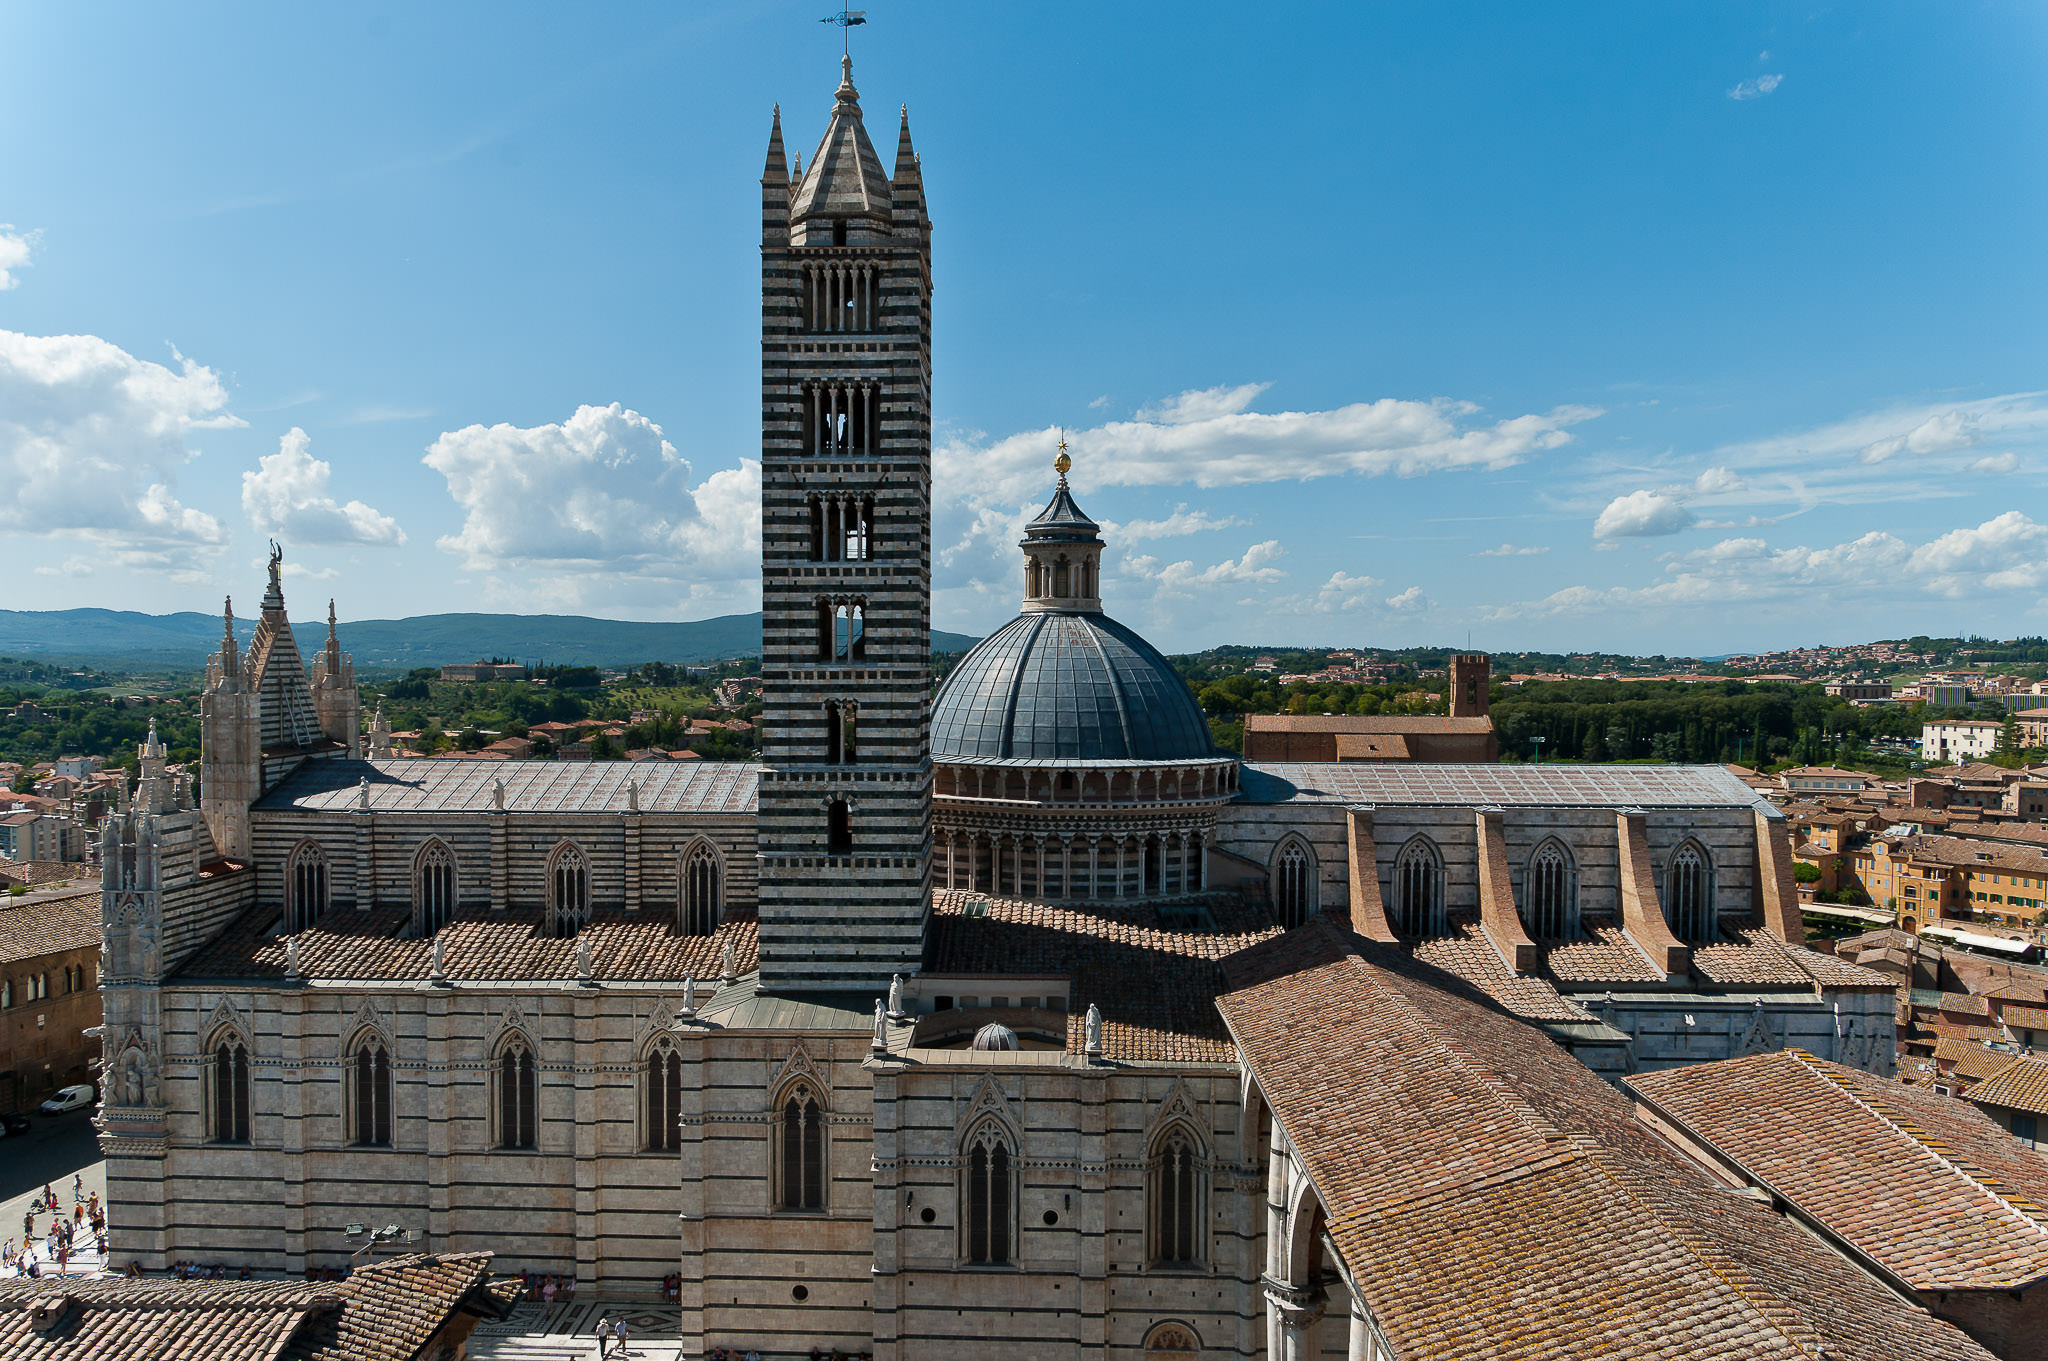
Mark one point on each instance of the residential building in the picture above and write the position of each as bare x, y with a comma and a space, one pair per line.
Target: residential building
1959, 739
1823, 780
484, 671
49, 993
1860, 692
2016, 1096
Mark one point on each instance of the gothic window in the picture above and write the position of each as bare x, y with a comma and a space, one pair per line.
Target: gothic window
838, 828
305, 885
664, 1098
842, 630
800, 1161
988, 1196
1419, 890
568, 890
839, 743
433, 888
369, 1092
1689, 894
517, 1103
1550, 893
702, 904
230, 1091
1175, 1199
1294, 884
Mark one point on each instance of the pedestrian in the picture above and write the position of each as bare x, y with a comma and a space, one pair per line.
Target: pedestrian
547, 1293
28, 1225
621, 1333
604, 1338
77, 1187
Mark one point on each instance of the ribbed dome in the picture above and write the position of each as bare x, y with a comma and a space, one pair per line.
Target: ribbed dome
1048, 686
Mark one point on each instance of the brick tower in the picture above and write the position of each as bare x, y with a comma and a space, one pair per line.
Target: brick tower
845, 802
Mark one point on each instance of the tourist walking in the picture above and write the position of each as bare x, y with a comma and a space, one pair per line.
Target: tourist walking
620, 1330
604, 1338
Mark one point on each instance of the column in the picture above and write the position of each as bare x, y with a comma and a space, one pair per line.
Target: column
1120, 865
1202, 859
1361, 1348
1066, 867
1094, 867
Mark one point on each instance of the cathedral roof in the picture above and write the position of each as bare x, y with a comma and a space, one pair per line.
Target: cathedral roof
1505, 786
1545, 1218
458, 786
1053, 685
845, 177
1063, 513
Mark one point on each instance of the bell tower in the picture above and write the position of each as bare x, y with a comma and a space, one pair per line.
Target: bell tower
845, 795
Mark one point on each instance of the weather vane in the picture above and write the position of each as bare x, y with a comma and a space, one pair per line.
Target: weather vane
846, 19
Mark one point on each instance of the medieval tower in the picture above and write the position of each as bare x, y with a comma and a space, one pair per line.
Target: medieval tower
845, 798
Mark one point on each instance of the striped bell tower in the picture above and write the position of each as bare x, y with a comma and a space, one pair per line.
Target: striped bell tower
846, 464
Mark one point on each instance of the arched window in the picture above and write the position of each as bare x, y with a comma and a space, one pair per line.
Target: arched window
369, 1082
1419, 890
433, 887
1294, 884
988, 1196
1174, 1197
838, 828
1172, 1342
703, 904
7, 993
1689, 894
568, 890
305, 878
518, 1095
664, 1098
230, 1090
1550, 893
801, 1153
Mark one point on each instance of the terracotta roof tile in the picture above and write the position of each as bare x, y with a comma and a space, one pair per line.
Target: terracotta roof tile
1495, 1199
49, 926
2021, 1085
1919, 1181
2025, 1018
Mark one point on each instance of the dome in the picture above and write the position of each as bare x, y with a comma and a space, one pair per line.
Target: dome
992, 1036
1079, 686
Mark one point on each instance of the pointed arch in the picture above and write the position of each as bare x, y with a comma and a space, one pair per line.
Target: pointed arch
1550, 892
1176, 1176
1292, 874
227, 1086
568, 889
515, 1092
435, 886
801, 1167
1418, 896
1689, 893
700, 879
305, 885
1172, 1341
988, 1193
661, 1095
368, 1075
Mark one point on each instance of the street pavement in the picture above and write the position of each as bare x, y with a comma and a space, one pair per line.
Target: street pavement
56, 1148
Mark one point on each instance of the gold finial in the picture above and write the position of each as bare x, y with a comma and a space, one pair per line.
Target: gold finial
1062, 463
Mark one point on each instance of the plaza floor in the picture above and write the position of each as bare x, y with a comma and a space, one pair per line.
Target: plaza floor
568, 1332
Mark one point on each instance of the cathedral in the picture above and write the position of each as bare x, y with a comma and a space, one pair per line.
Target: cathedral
1014, 1021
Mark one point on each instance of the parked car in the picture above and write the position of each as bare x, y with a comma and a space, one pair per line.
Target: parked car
13, 1125
68, 1099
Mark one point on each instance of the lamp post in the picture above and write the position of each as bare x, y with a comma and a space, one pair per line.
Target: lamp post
1539, 749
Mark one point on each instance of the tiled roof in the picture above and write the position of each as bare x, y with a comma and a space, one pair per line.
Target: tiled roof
1155, 981
2024, 1017
1964, 1004
1399, 784
1920, 1182
2021, 1085
1493, 1198
1970, 1058
49, 926
1978, 853
1467, 953
1435, 724
1604, 954
429, 786
49, 871
385, 1312
479, 945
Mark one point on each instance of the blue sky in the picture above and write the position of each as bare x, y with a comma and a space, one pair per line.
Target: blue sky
1680, 328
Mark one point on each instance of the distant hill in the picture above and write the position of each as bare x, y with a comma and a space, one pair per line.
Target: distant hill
183, 640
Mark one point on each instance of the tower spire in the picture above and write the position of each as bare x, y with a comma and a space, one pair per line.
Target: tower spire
229, 662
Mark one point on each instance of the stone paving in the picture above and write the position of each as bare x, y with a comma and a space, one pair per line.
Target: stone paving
567, 1332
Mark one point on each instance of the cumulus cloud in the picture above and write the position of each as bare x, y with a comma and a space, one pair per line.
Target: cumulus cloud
1508, 550
1184, 578
1756, 88
1942, 433
1996, 463
287, 496
1642, 514
2008, 552
1717, 482
1202, 404
1408, 601
602, 497
1928, 429
91, 439
1182, 521
15, 249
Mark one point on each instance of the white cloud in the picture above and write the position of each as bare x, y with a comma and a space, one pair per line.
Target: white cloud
1996, 463
1202, 404
1184, 578
91, 439
287, 496
2008, 552
1408, 601
1942, 433
1508, 550
15, 249
605, 502
1757, 88
1929, 429
1182, 521
1717, 482
1642, 514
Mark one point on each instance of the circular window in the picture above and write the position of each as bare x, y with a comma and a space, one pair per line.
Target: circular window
800, 1293
1052, 1217
927, 1214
